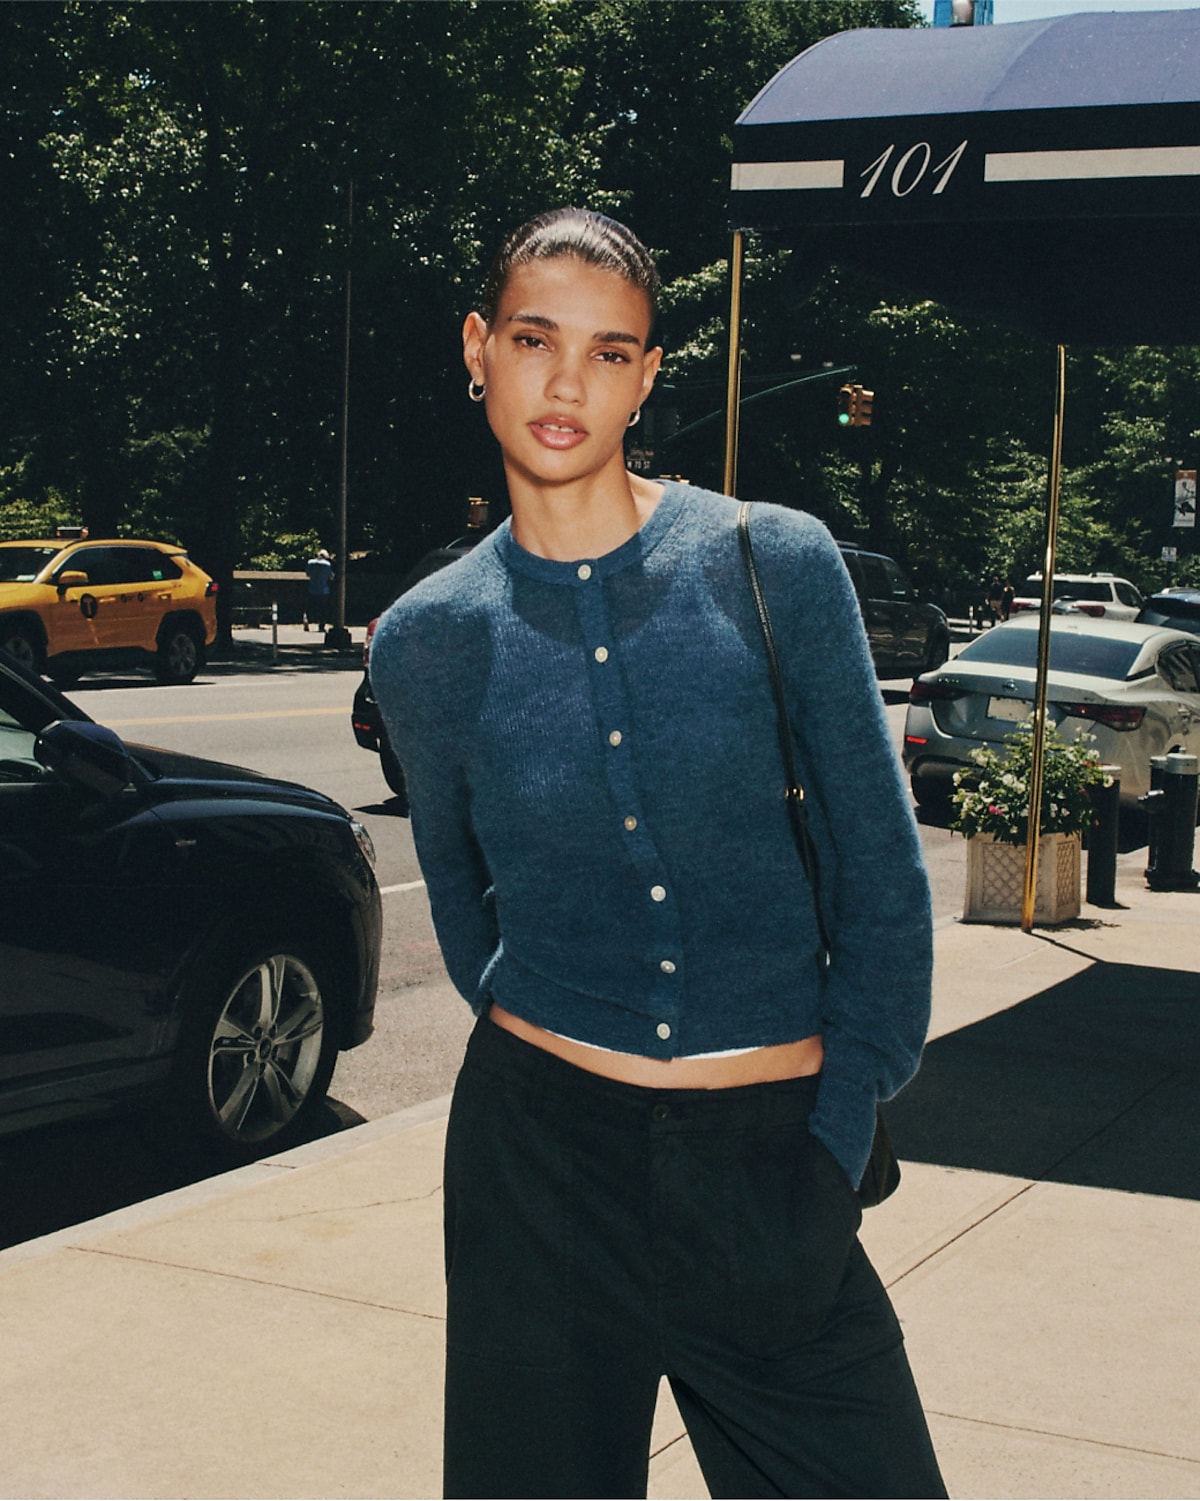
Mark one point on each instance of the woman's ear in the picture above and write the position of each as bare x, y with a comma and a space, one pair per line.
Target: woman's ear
474, 337
651, 360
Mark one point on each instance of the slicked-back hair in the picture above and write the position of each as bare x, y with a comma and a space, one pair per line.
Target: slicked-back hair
589, 237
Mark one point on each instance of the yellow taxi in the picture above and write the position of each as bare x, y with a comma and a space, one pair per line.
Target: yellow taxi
73, 605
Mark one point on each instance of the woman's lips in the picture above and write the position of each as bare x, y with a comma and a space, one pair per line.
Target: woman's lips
559, 435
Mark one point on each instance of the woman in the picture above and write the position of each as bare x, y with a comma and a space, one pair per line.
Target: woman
668, 1099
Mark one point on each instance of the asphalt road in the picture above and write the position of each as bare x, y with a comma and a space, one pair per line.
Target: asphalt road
293, 720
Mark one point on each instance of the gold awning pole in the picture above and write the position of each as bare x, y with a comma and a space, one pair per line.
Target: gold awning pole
733, 393
1037, 758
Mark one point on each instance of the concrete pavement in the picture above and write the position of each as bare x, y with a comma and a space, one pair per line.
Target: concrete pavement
277, 1332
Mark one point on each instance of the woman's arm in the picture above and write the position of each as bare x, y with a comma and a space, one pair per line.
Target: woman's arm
428, 742
875, 893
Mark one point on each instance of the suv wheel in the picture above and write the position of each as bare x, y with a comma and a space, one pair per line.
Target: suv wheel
255, 1056
393, 772
938, 651
23, 644
180, 653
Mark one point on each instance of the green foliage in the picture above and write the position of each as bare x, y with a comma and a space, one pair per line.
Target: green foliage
992, 796
290, 553
21, 519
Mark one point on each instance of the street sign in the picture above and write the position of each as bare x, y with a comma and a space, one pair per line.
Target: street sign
1170, 554
1185, 497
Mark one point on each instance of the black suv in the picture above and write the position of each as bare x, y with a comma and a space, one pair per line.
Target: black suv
174, 933
908, 636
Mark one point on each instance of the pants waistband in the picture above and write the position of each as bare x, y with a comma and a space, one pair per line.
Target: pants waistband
513, 1062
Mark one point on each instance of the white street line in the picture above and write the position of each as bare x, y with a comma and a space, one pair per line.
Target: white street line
403, 886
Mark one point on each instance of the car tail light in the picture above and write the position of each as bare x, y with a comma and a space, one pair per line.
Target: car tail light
922, 692
916, 739
211, 588
367, 639
1114, 716
1088, 609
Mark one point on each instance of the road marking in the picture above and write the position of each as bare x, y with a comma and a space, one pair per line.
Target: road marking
223, 718
403, 886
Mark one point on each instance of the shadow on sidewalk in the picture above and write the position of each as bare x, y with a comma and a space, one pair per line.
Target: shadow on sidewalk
1091, 1082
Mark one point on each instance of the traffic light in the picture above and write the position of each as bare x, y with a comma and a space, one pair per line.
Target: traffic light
854, 406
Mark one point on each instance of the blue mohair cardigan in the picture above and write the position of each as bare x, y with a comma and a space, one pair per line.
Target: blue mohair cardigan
598, 799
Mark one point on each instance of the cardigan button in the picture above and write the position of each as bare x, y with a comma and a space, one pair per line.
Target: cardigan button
601, 654
584, 571
630, 822
667, 966
614, 737
663, 1030
658, 893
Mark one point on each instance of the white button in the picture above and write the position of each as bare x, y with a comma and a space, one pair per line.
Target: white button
584, 570
601, 654
631, 823
615, 738
663, 1030
667, 966
659, 893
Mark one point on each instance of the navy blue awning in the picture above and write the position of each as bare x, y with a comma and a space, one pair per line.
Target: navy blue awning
1046, 172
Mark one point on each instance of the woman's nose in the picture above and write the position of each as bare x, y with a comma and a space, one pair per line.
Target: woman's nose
565, 382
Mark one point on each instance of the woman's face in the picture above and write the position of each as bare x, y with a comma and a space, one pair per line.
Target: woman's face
565, 364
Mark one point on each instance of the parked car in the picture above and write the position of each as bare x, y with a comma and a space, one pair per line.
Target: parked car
1134, 688
1101, 595
907, 636
73, 606
175, 934
1177, 608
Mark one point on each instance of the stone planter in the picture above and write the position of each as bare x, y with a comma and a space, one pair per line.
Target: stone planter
996, 880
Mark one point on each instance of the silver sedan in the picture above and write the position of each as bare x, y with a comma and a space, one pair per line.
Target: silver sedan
1134, 688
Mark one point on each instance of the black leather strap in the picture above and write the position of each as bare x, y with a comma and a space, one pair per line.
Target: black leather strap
794, 791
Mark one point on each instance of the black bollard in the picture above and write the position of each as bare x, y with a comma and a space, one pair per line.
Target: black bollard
1152, 802
1171, 864
1102, 841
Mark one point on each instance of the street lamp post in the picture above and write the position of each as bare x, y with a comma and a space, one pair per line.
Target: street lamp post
338, 636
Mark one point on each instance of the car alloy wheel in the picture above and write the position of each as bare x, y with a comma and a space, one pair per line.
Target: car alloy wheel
266, 1050
20, 643
178, 655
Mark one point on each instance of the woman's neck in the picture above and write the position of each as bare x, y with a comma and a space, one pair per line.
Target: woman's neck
581, 522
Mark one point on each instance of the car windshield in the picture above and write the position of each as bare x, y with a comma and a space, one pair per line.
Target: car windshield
21, 565
1070, 651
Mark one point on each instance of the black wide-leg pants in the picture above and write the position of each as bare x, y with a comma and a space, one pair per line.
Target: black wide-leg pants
601, 1235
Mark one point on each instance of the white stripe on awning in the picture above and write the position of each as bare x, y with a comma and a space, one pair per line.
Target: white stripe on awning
774, 177
1061, 166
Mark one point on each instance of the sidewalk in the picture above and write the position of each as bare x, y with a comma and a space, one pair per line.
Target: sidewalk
277, 1332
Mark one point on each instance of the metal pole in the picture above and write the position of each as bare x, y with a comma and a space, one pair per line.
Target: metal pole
1037, 757
339, 634
733, 389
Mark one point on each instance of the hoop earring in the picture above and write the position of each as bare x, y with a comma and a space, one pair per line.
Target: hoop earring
634, 418
476, 393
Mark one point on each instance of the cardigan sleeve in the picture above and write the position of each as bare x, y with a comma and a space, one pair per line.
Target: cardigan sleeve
420, 724
874, 889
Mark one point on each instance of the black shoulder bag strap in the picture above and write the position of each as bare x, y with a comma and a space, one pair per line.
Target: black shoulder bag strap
794, 792
883, 1171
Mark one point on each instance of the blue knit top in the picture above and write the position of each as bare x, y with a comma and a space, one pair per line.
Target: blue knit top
598, 804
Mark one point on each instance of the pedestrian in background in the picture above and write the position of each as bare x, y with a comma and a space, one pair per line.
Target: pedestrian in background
669, 1097
1006, 601
995, 598
320, 590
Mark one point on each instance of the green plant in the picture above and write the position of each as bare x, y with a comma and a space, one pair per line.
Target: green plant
992, 795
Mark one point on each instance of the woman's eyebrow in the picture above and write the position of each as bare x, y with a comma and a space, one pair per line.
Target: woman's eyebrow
536, 319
